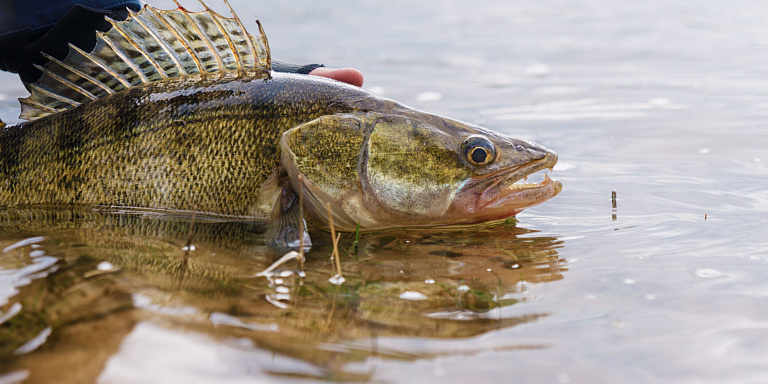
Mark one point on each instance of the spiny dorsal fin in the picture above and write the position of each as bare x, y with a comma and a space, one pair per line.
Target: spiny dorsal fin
150, 45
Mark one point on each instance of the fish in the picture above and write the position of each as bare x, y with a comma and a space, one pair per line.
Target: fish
180, 112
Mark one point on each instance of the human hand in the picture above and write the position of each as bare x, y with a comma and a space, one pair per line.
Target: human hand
347, 75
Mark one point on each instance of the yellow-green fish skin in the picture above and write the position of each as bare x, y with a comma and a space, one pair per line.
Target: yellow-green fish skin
239, 144
186, 144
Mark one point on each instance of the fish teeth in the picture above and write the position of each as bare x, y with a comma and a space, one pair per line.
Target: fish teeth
516, 186
524, 184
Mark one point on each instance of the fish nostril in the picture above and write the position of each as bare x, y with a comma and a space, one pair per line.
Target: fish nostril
519, 148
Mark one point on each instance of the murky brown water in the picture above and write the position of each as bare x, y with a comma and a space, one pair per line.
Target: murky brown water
664, 103
96, 278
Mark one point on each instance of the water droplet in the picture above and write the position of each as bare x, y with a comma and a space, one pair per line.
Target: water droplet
708, 273
412, 295
282, 289
337, 280
429, 281
105, 266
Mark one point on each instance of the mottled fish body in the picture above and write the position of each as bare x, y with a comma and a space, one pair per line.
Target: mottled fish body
206, 146
163, 115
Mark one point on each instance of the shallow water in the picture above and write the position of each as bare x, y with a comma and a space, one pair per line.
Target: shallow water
664, 103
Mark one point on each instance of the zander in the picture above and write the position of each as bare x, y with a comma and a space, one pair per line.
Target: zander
180, 111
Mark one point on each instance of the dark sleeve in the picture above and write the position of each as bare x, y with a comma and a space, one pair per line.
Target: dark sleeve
28, 28
24, 37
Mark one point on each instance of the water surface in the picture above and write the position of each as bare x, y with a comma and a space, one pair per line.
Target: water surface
664, 103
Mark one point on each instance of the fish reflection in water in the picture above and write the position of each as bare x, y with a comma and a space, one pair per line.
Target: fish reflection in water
89, 278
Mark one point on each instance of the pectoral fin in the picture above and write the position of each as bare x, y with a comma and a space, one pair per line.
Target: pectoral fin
288, 222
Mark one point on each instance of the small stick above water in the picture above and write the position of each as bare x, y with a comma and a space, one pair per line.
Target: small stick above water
301, 223
613, 203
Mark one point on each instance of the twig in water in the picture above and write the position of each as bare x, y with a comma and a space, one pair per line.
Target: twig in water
301, 223
187, 248
287, 257
357, 239
338, 278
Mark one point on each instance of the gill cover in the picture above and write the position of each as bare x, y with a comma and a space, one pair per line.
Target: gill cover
325, 152
412, 169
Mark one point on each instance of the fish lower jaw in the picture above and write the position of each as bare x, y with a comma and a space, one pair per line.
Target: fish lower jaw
520, 195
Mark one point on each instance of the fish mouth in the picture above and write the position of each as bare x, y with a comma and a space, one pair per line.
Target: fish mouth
505, 193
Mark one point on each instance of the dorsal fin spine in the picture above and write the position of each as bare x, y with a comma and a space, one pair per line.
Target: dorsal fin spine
206, 40
224, 33
266, 46
66, 82
81, 74
55, 96
181, 40
125, 58
244, 32
125, 35
103, 66
38, 106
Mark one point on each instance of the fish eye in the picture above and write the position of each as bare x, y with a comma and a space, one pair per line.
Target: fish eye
478, 150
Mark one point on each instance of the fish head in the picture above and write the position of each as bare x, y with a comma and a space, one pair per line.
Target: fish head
404, 168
